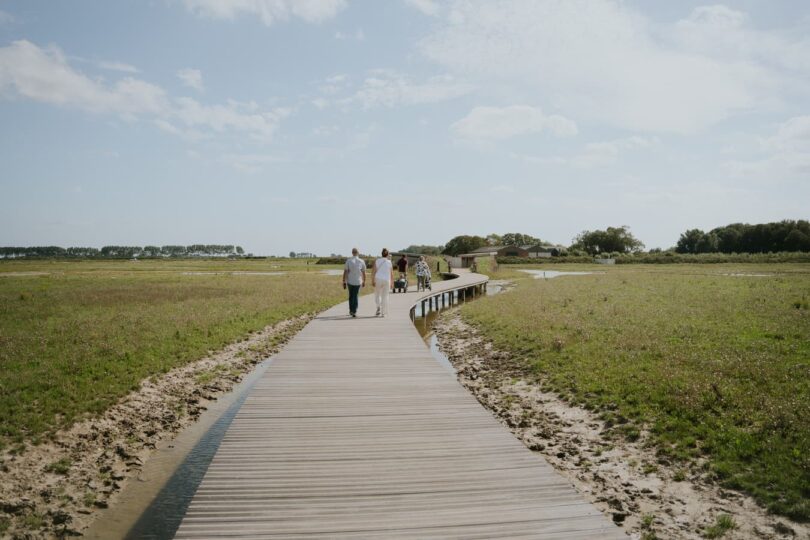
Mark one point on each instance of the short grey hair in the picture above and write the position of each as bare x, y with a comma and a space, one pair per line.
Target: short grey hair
355, 251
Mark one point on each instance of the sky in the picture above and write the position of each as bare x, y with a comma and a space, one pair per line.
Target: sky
318, 125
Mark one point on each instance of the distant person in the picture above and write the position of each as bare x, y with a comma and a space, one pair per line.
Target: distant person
382, 278
422, 274
354, 277
402, 266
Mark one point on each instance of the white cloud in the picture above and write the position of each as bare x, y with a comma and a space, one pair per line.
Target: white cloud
334, 84
787, 153
723, 33
358, 35
268, 11
44, 75
118, 66
250, 163
505, 122
231, 116
387, 88
191, 78
791, 136
428, 7
603, 60
595, 154
600, 154
325, 130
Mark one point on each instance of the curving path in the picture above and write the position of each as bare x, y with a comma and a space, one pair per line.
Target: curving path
355, 431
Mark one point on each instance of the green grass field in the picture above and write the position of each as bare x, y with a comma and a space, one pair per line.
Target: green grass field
714, 365
75, 336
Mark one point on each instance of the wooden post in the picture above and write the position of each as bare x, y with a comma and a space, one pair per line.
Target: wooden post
423, 309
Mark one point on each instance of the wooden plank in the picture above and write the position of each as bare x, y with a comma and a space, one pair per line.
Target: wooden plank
355, 431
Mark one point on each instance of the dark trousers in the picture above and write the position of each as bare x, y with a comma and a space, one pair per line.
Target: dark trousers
354, 290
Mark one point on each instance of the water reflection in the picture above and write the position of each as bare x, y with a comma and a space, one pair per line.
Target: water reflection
234, 273
162, 517
548, 274
424, 321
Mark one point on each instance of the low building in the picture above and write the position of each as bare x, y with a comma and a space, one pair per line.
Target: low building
542, 251
486, 250
513, 251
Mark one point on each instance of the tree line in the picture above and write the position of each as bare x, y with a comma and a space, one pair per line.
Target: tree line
781, 236
787, 236
123, 252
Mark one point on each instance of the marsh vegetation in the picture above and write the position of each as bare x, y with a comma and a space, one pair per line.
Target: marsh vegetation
76, 336
714, 366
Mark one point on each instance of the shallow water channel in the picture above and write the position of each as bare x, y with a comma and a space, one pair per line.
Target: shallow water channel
155, 501
424, 321
150, 508
548, 274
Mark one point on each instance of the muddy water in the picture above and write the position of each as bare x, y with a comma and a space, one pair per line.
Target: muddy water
424, 322
548, 274
152, 505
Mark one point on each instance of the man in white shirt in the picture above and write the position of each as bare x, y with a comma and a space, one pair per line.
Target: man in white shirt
354, 277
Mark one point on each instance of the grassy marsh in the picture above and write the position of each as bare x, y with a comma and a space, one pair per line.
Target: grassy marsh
75, 336
715, 362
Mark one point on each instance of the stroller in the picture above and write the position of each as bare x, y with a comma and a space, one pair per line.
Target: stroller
424, 283
401, 284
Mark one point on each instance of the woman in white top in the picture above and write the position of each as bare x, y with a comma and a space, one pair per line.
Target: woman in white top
382, 278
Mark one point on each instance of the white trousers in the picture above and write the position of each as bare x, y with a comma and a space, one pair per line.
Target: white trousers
381, 290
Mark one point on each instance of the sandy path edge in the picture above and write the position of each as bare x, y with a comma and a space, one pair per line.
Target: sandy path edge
623, 479
102, 454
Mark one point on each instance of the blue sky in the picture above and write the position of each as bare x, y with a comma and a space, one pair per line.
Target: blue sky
318, 125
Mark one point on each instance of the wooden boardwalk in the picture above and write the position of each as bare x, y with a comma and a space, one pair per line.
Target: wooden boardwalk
356, 431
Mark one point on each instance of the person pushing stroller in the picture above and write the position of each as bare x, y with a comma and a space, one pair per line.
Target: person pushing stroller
423, 275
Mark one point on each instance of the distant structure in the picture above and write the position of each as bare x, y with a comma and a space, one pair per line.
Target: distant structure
536, 251
302, 255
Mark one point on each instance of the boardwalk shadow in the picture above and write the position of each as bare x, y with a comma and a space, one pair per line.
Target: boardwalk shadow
344, 317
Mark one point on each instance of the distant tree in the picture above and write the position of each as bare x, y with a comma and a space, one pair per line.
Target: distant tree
494, 240
518, 239
729, 237
796, 240
463, 244
121, 252
150, 251
614, 239
423, 249
239, 250
292, 254
708, 243
787, 235
173, 251
688, 242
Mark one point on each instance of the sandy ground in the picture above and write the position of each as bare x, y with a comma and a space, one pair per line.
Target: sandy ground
100, 455
624, 479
